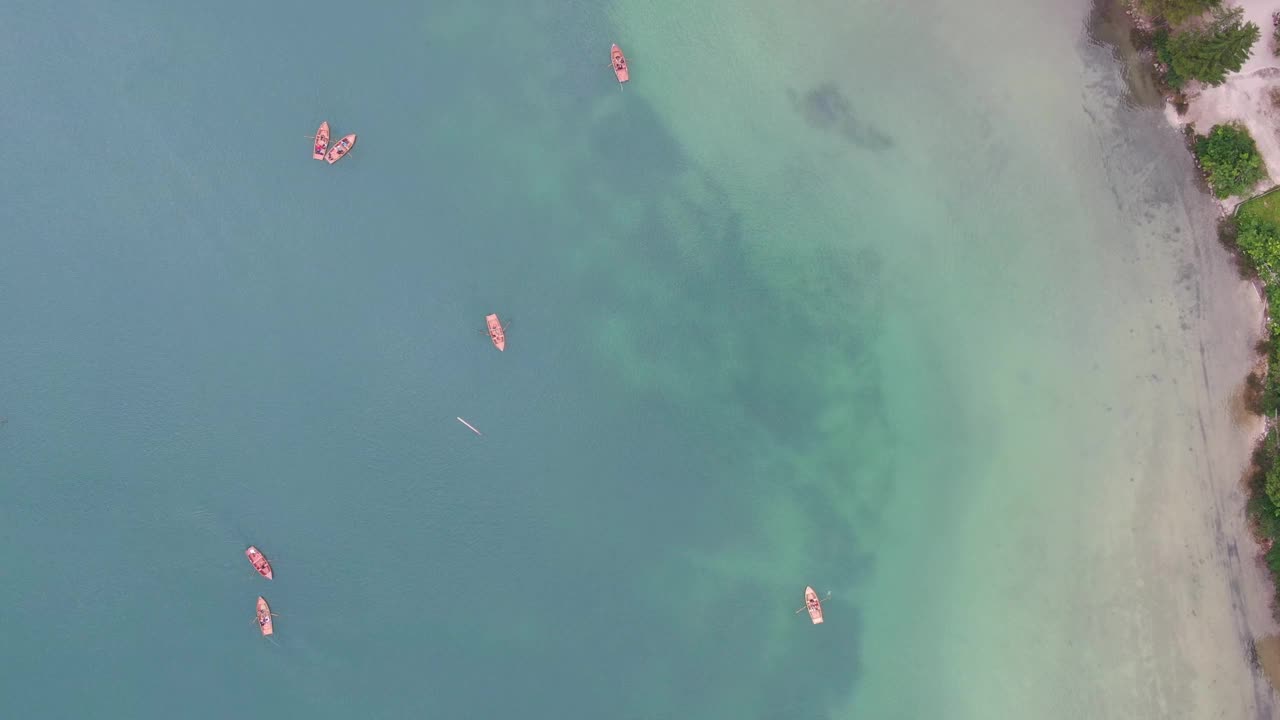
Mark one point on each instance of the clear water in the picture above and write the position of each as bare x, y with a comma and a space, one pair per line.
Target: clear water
889, 299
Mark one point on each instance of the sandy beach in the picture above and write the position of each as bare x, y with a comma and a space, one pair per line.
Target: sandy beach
1250, 97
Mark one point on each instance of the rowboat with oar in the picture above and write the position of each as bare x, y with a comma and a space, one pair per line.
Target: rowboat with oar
619, 63
496, 333
259, 562
322, 141
813, 605
264, 616
340, 148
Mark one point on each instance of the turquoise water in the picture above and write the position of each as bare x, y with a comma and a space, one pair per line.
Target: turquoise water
792, 308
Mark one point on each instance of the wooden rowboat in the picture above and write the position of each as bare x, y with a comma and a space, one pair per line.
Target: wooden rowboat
322, 141
496, 333
264, 616
340, 148
259, 562
814, 605
619, 63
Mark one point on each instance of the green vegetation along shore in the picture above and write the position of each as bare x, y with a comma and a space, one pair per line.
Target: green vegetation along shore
1230, 160
1204, 51
1255, 232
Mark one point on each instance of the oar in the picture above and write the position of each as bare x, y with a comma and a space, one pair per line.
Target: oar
473, 427
256, 623
504, 328
806, 607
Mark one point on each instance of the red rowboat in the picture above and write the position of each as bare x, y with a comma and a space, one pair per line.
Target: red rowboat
814, 605
340, 148
619, 63
322, 141
259, 562
496, 333
264, 616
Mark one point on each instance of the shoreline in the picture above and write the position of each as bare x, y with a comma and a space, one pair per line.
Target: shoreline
1250, 97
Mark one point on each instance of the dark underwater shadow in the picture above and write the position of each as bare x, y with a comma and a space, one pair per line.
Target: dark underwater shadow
720, 304
676, 468
825, 107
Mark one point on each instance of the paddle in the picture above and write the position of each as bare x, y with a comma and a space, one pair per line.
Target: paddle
472, 427
504, 328
806, 607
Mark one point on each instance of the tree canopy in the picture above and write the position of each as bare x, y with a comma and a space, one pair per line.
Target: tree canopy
1176, 11
1207, 54
1230, 157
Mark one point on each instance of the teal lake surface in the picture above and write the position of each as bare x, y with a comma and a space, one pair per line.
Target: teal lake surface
836, 295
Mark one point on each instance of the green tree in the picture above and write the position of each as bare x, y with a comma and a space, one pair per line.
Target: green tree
1230, 157
1163, 54
1176, 11
1207, 54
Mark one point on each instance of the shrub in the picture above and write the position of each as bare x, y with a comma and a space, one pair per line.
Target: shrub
1263, 512
1272, 487
1273, 562
1230, 158
1259, 240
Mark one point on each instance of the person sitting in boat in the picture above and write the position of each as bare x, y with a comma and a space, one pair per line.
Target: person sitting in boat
262, 621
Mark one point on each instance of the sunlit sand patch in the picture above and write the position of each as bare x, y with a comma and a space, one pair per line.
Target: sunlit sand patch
1267, 654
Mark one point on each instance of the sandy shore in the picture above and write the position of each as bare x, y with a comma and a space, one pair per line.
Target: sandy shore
1251, 97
